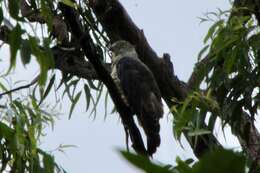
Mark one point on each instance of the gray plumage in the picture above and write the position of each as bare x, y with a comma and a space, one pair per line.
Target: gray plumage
139, 90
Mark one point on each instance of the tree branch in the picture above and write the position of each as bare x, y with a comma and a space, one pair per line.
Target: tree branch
34, 81
73, 62
69, 61
91, 53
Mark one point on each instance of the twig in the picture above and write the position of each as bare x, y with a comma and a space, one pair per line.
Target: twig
21, 87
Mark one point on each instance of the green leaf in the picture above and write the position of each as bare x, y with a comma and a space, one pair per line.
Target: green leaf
212, 30
47, 13
212, 122
144, 163
95, 103
6, 132
183, 167
106, 103
43, 56
69, 3
224, 161
198, 132
1, 15
25, 52
203, 50
3, 88
74, 102
13, 6
15, 42
48, 163
46, 92
87, 96
181, 121
92, 85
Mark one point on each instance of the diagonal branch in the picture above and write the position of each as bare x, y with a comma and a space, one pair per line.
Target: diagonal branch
34, 81
91, 53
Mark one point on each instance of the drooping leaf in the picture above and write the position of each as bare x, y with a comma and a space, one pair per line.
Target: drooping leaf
26, 52
1, 15
182, 166
15, 43
13, 6
6, 132
47, 13
203, 50
224, 161
106, 103
212, 30
68, 3
74, 102
48, 163
198, 132
43, 56
92, 85
144, 163
95, 103
87, 95
46, 92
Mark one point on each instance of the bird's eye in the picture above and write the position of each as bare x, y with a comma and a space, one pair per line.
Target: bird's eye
110, 53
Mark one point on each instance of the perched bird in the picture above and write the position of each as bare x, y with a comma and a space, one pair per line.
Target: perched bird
139, 90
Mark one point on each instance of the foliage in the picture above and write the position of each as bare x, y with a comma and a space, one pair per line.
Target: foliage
190, 113
22, 123
23, 118
230, 71
211, 162
233, 72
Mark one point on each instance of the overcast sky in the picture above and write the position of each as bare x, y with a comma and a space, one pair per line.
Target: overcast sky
170, 26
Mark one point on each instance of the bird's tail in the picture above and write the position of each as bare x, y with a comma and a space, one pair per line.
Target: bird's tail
152, 111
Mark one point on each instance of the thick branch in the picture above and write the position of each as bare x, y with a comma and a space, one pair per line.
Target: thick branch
67, 60
91, 53
73, 62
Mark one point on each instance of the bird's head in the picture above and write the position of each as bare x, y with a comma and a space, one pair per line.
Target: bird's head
122, 48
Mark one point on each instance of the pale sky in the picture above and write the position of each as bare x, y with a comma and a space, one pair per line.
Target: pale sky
170, 26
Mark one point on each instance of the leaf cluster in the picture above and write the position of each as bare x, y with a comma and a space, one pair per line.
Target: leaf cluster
224, 161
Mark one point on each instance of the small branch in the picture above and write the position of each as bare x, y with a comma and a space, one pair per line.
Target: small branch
34, 81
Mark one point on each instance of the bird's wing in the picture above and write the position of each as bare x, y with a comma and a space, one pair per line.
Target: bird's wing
141, 91
134, 81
